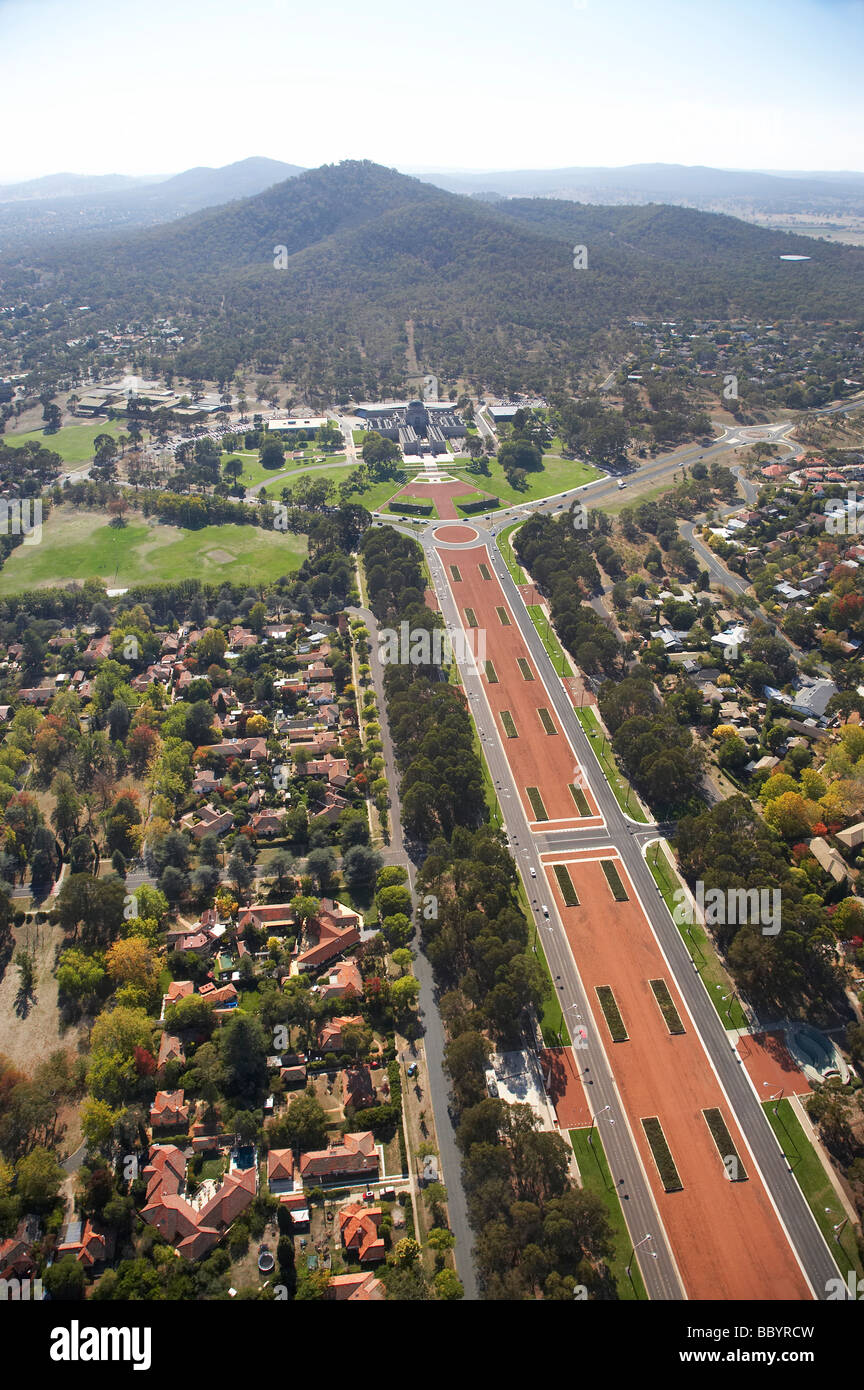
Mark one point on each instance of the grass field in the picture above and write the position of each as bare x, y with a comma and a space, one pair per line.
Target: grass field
553, 647
254, 471
373, 498
506, 548
624, 793
557, 475
815, 1184
698, 943
597, 1179
553, 1024
74, 443
80, 545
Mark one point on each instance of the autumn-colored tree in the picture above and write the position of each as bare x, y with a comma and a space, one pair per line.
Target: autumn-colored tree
141, 744
132, 962
790, 815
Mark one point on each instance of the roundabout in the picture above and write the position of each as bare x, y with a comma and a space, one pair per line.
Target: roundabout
456, 535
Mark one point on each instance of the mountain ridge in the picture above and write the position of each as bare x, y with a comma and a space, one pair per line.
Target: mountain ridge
491, 290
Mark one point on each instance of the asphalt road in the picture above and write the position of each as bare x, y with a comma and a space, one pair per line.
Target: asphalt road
656, 1262
660, 1274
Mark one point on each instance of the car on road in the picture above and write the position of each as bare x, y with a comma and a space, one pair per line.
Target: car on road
545, 910
621, 483
533, 873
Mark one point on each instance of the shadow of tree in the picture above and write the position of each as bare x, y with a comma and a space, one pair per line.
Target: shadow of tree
24, 1001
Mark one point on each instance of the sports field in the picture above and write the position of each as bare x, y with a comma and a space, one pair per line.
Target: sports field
78, 545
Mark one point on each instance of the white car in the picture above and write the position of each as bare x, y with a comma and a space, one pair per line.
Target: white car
545, 910
533, 873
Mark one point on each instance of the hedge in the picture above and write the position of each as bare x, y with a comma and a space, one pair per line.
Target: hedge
482, 504
415, 508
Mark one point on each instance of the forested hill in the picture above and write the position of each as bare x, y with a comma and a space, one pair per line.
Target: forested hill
491, 290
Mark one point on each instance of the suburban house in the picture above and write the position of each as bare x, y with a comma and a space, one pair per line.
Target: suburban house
253, 750
334, 770
327, 935
356, 1288
344, 978
280, 1171
267, 822
357, 1087
222, 997
359, 1231
829, 859
16, 1252
194, 1227
207, 820
169, 1110
171, 1049
88, 1245
330, 1037
355, 1159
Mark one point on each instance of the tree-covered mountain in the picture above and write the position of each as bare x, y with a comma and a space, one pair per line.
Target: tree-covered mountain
372, 257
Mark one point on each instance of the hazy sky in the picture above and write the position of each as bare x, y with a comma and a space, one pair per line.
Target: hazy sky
111, 86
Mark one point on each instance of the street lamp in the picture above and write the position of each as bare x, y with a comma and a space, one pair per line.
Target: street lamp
778, 1095
635, 1248
594, 1120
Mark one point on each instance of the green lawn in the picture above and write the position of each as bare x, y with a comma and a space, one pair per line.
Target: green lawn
80, 545
815, 1184
74, 443
557, 475
597, 1179
549, 640
505, 545
698, 943
254, 472
374, 497
603, 751
553, 1024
